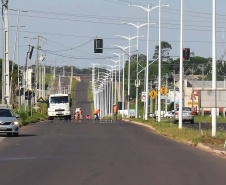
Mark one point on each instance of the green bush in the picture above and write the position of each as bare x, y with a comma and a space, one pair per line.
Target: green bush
23, 116
26, 117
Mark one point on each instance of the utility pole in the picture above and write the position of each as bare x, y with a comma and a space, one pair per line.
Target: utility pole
192, 93
43, 80
71, 77
166, 95
181, 70
214, 69
202, 84
174, 92
36, 73
151, 100
63, 70
59, 85
5, 63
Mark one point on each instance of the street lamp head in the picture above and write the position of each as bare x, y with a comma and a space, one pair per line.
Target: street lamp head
18, 10
42, 57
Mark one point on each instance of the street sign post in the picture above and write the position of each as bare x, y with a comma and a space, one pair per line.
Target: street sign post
143, 97
163, 90
153, 94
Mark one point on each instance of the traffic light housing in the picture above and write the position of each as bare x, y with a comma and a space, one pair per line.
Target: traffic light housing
186, 54
98, 45
30, 53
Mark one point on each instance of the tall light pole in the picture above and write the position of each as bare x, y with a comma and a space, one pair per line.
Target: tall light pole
138, 26
119, 75
148, 9
26, 72
112, 70
214, 71
160, 65
36, 73
5, 63
123, 80
181, 70
115, 61
129, 39
14, 55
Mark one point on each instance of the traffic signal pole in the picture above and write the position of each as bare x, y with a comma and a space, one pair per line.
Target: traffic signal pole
36, 74
181, 70
5, 64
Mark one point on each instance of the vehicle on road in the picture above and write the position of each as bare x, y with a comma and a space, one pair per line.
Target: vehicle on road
169, 114
188, 115
162, 114
151, 115
8, 122
132, 113
59, 105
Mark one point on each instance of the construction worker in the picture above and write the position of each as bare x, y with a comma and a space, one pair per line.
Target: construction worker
80, 113
96, 112
115, 109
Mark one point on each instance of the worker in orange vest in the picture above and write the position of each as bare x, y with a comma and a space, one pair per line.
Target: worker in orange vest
96, 112
115, 111
80, 113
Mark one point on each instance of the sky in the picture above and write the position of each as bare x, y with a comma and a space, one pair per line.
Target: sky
67, 29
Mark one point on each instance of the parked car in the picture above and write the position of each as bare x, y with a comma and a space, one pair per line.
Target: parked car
188, 115
169, 114
8, 122
162, 114
151, 115
132, 113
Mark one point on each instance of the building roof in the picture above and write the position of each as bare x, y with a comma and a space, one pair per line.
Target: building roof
205, 84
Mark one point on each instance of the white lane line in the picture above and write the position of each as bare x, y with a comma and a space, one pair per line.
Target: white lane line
17, 158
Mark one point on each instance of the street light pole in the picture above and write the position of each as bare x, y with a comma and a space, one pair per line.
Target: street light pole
129, 39
115, 61
148, 9
160, 65
119, 76
26, 71
181, 70
111, 77
123, 81
14, 54
214, 80
137, 84
5, 61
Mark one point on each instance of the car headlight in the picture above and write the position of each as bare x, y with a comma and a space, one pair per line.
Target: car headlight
16, 123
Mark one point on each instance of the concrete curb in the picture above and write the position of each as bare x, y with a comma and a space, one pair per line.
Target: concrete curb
199, 145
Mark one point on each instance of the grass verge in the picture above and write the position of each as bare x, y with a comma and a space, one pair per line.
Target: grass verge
171, 130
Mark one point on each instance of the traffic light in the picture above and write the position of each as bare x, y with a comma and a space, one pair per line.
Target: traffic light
186, 54
98, 45
30, 53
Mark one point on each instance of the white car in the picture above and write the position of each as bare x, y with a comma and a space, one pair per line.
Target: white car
8, 122
151, 115
169, 114
188, 115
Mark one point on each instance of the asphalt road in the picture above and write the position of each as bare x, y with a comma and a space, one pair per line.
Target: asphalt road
69, 152
81, 98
